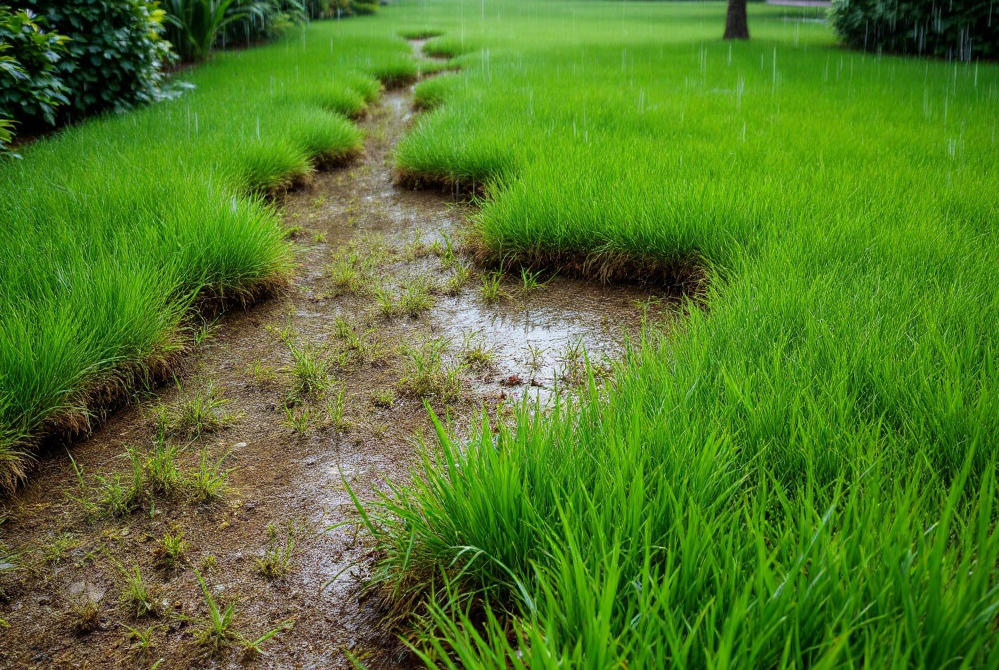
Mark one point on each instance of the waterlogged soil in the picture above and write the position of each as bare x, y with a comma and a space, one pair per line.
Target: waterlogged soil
283, 544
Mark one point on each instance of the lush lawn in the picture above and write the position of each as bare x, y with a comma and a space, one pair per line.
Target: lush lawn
805, 475
109, 230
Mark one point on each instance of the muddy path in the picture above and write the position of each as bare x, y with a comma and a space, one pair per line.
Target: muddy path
278, 406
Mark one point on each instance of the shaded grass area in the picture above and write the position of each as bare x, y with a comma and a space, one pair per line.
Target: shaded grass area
804, 475
113, 229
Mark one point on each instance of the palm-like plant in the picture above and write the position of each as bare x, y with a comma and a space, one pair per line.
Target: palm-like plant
194, 25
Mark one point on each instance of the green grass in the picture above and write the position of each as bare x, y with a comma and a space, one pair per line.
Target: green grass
110, 230
803, 474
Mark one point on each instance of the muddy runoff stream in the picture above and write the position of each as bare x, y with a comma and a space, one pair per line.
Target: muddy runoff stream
289, 399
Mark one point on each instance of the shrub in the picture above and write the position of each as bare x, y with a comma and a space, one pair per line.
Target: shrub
264, 20
320, 9
30, 89
954, 30
115, 53
348, 7
194, 26
360, 8
6, 134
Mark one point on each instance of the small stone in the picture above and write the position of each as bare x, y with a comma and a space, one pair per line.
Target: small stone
84, 588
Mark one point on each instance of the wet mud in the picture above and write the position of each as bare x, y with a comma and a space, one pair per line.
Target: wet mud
380, 292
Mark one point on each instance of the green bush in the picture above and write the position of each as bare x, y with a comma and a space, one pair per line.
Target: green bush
115, 53
6, 135
360, 8
955, 30
348, 7
30, 90
194, 26
320, 9
264, 20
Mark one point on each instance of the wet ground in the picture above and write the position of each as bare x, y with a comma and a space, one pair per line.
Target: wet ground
290, 402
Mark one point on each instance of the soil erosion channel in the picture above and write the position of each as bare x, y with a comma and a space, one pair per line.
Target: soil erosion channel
326, 381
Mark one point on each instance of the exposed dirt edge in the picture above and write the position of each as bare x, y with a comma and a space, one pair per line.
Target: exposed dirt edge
87, 409
440, 181
688, 277
323, 162
397, 81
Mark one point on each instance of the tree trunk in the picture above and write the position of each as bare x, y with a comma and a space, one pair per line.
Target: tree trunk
736, 26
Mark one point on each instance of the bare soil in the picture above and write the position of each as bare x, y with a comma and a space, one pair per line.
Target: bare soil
286, 484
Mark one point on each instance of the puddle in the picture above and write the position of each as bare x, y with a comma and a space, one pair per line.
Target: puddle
540, 341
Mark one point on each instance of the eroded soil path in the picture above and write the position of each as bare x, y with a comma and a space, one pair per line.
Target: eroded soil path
290, 398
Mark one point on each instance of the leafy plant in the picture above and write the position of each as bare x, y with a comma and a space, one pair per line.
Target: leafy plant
115, 54
193, 26
31, 90
267, 19
956, 30
6, 137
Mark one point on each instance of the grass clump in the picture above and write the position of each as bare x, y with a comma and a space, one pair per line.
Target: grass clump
210, 482
215, 632
171, 551
336, 411
310, 370
138, 596
142, 641
475, 353
348, 276
491, 291
203, 412
419, 33
119, 498
158, 469
298, 419
428, 375
85, 614
457, 280
432, 93
416, 299
383, 398
275, 561
58, 547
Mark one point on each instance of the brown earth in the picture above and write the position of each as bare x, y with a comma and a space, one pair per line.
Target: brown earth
286, 487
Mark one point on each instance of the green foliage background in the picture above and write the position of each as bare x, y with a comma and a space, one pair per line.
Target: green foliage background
961, 30
115, 53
